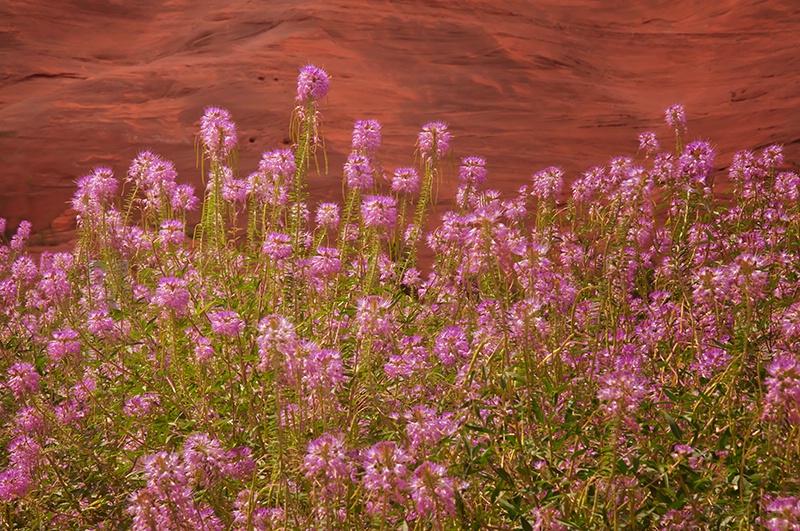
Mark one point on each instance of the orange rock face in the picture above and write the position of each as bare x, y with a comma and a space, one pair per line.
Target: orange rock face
524, 84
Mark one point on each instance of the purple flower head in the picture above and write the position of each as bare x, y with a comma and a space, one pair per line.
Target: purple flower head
14, 484
649, 143
234, 190
21, 236
696, 163
277, 246
326, 263
204, 458
425, 427
172, 294
373, 316
276, 332
434, 140
432, 491
472, 171
621, 392
358, 172
547, 183
327, 467
676, 117
312, 84
379, 211
155, 177
24, 270
218, 133
322, 369
451, 345
405, 180
171, 233
783, 513
64, 343
140, 405
183, 198
226, 323
29, 422
385, 475
771, 157
23, 380
278, 164
787, 185
98, 322
328, 215
366, 137
94, 191
782, 399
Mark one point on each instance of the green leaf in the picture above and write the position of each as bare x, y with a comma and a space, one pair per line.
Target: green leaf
673, 427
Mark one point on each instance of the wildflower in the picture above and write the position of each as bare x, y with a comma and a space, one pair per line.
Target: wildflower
358, 172
171, 232
166, 500
472, 171
277, 246
328, 215
385, 475
94, 191
23, 380
379, 211
547, 183
203, 351
183, 198
675, 116
226, 323
64, 343
621, 392
234, 190
98, 322
433, 140
279, 163
373, 316
410, 361
425, 428
771, 157
204, 458
405, 180
451, 345
24, 270
649, 143
327, 467
782, 399
787, 185
172, 294
366, 137
432, 491
696, 163
326, 263
784, 513
140, 405
276, 333
21, 236
312, 84
217, 133
322, 369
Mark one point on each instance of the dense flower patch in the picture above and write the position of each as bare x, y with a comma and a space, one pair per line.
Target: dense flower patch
564, 364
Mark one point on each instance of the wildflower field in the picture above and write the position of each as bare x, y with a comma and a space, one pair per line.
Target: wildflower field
623, 356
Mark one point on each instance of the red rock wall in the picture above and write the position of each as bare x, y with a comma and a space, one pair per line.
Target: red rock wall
525, 84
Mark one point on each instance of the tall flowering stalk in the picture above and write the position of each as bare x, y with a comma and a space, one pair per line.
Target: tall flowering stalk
218, 139
433, 143
306, 134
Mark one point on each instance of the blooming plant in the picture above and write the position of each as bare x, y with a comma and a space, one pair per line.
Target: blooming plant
583, 360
